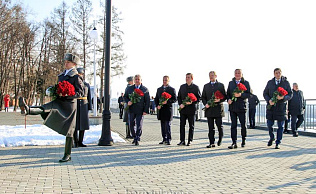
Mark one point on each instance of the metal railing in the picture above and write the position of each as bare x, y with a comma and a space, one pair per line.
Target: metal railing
309, 115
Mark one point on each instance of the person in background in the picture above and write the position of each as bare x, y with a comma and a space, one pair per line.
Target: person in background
237, 107
276, 110
130, 82
296, 109
121, 104
21, 105
6, 100
152, 106
83, 106
253, 101
165, 110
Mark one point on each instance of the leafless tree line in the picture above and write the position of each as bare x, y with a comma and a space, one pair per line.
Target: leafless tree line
31, 53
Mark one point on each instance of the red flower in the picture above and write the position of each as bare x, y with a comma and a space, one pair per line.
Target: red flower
139, 92
280, 92
216, 95
164, 97
219, 95
190, 98
65, 88
239, 89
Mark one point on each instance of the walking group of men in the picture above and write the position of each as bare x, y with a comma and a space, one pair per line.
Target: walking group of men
214, 110
68, 114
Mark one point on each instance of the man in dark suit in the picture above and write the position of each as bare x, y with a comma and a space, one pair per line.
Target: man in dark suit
253, 101
83, 106
60, 114
165, 111
296, 109
121, 104
238, 107
187, 111
278, 110
214, 113
137, 110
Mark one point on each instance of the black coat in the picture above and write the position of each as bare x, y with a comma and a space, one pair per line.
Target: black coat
166, 111
208, 91
83, 107
139, 107
240, 105
277, 112
296, 103
183, 93
121, 99
60, 114
253, 101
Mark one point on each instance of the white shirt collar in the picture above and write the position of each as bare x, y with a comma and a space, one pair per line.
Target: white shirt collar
68, 70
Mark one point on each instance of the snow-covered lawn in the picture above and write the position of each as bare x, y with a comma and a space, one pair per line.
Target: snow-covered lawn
11, 136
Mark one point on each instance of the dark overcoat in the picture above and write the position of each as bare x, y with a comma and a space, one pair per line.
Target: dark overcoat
183, 93
83, 107
208, 91
296, 103
240, 105
60, 114
139, 107
125, 113
166, 111
120, 99
253, 101
277, 112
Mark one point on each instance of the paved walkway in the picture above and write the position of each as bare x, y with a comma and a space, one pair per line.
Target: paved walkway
153, 168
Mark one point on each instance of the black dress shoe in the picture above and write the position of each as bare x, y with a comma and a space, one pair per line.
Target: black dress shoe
233, 146
133, 141
211, 146
66, 158
286, 131
81, 145
162, 142
181, 143
243, 143
167, 143
219, 143
189, 143
295, 134
136, 143
277, 146
270, 142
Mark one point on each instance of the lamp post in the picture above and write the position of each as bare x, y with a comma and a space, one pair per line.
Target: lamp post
106, 139
94, 36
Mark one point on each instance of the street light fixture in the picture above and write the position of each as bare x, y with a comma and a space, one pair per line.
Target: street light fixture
106, 139
94, 36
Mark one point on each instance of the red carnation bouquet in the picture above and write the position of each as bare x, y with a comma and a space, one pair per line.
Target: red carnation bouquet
239, 89
190, 98
135, 96
216, 95
279, 92
62, 89
164, 97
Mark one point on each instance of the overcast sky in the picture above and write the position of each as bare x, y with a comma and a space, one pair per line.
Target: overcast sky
174, 37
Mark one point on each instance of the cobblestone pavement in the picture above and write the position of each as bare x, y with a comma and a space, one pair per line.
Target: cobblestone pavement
153, 168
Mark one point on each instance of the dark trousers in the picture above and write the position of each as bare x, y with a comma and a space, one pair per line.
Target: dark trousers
183, 118
166, 130
121, 111
138, 120
252, 114
270, 124
296, 122
242, 119
286, 122
211, 128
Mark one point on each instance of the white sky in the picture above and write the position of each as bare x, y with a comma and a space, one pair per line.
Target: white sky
174, 37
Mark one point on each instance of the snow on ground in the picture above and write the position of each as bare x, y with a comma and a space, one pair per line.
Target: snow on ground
11, 136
